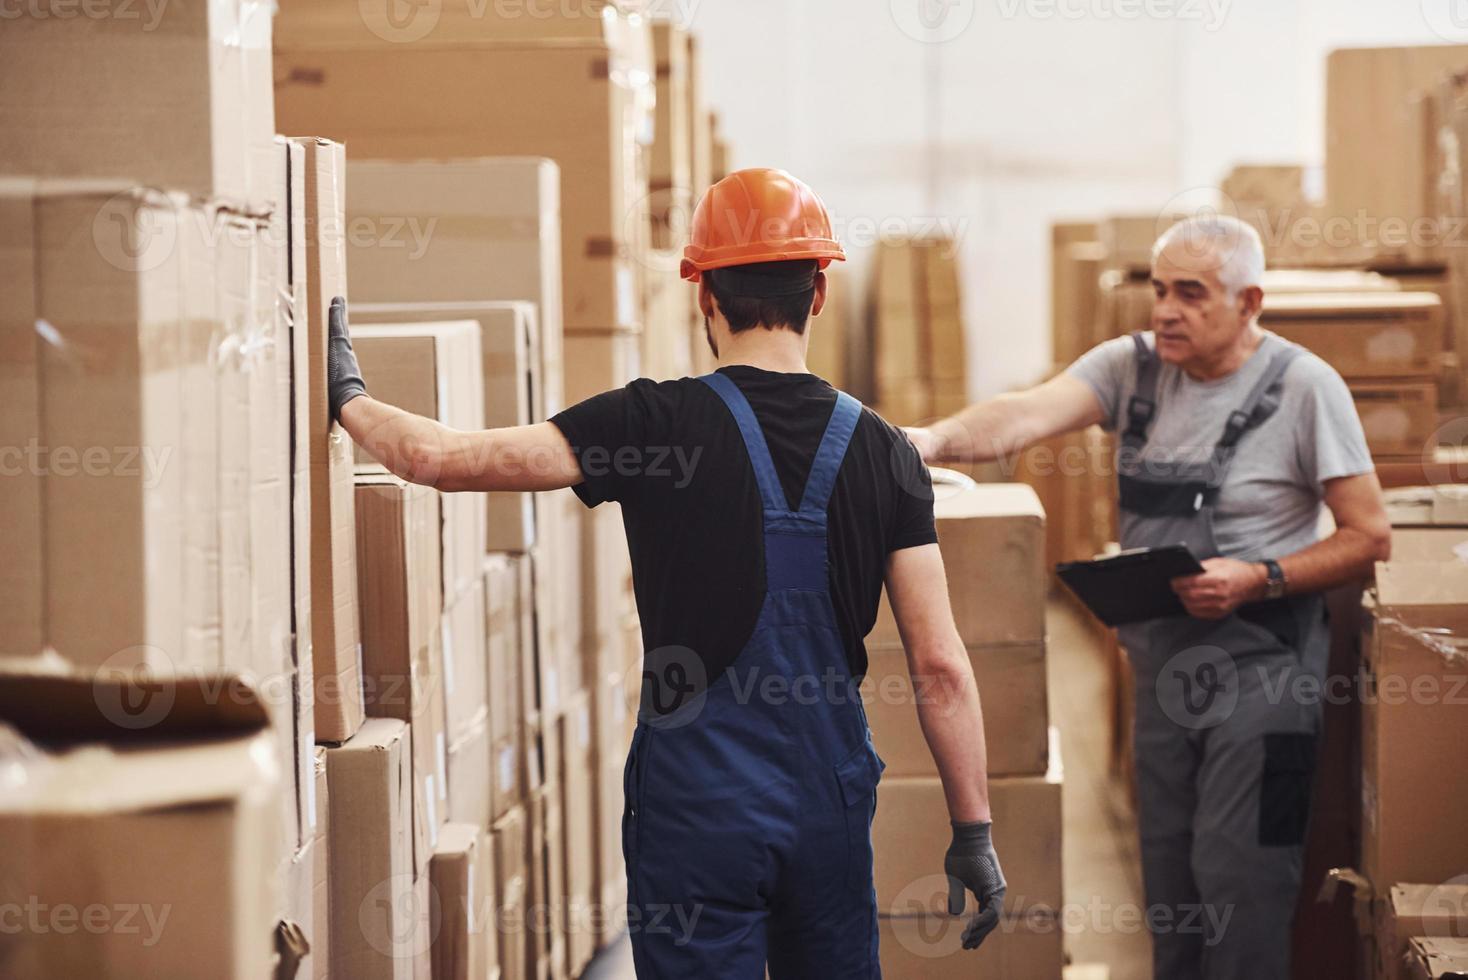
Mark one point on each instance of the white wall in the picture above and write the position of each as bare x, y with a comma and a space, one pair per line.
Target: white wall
1033, 110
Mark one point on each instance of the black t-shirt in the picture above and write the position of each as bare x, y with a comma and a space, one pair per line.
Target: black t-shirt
671, 454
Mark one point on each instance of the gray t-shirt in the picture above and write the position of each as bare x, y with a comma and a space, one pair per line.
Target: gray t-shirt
1270, 502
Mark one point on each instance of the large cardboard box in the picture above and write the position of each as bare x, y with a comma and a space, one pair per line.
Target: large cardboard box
670, 164
1414, 719
1429, 958
557, 595
578, 811
911, 832
101, 823
992, 536
511, 894
930, 947
306, 905
1011, 682
398, 576
514, 389
463, 232
546, 865
507, 658
433, 370
174, 95
564, 100
1363, 335
471, 775
465, 667
373, 933
1399, 417
1405, 911
463, 904
1430, 544
600, 360
1374, 165
22, 575
335, 639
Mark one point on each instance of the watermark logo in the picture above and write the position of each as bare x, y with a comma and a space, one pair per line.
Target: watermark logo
1211, 14
396, 921
132, 236
400, 21
674, 687
1448, 19
1198, 688
933, 21
135, 688
1445, 909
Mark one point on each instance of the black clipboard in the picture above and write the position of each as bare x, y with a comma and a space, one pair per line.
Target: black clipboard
1133, 586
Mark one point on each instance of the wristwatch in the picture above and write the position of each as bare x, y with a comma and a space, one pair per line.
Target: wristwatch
1274, 583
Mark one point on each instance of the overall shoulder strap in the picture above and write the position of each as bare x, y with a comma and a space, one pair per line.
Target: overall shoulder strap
1259, 405
772, 495
832, 451
1143, 404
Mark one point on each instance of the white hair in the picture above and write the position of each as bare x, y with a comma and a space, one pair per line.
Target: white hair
1220, 243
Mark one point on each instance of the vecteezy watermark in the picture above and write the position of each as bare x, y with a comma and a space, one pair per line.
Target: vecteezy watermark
397, 919
1198, 688
144, 463
405, 21
933, 21
1210, 13
35, 917
1448, 19
148, 12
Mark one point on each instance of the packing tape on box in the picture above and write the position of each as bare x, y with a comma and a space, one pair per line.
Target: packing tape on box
1451, 647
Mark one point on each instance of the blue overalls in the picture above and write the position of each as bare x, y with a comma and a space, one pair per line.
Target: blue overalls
747, 827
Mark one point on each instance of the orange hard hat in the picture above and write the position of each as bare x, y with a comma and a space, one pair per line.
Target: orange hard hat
759, 215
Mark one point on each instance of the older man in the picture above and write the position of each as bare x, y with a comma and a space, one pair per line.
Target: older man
1231, 440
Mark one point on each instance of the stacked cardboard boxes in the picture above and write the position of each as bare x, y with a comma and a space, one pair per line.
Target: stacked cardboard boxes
918, 342
993, 542
1388, 347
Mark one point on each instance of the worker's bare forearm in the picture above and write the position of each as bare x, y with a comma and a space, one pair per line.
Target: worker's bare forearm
983, 432
953, 724
412, 447
1348, 555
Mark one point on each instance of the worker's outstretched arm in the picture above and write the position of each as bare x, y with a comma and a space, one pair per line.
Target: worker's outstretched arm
1002, 427
421, 450
953, 725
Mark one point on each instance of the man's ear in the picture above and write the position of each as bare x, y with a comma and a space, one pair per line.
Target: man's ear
819, 302
1251, 301
705, 299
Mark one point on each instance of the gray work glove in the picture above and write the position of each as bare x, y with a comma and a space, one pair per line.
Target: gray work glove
971, 863
343, 376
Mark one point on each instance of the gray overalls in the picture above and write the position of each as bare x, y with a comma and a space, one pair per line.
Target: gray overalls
1226, 719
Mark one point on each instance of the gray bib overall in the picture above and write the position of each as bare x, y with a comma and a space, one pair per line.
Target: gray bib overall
1227, 716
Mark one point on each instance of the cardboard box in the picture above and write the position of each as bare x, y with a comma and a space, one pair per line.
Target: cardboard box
1128, 239
398, 575
1436, 959
1429, 544
470, 776
562, 101
1414, 716
156, 583
105, 97
511, 894
319, 959
670, 163
1438, 911
99, 820
1399, 418
335, 639
431, 808
598, 361
464, 662
500, 242
432, 369
502, 584
1440, 505
373, 933
556, 597
931, 948
462, 875
1363, 335
578, 811
606, 599
546, 867
1011, 681
1125, 306
514, 389
993, 540
1374, 165
911, 832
